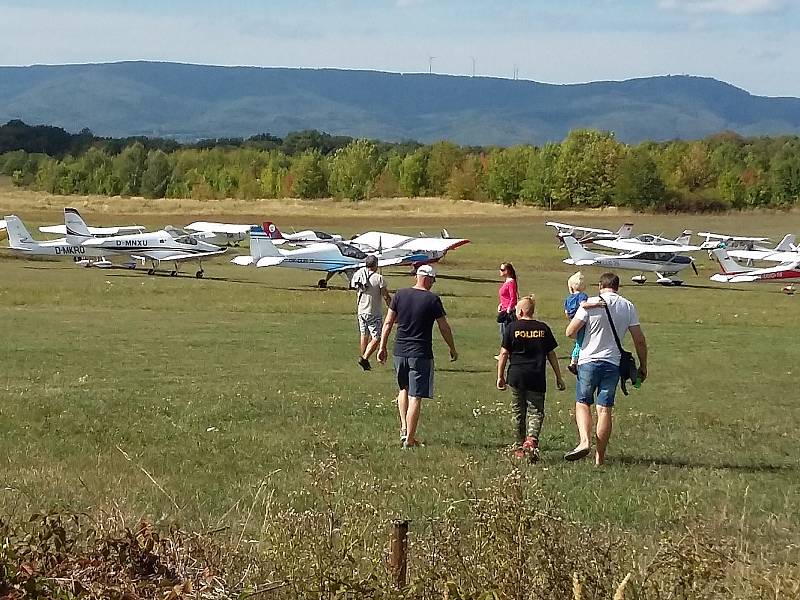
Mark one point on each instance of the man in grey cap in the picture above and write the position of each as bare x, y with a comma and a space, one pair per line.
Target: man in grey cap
415, 309
371, 288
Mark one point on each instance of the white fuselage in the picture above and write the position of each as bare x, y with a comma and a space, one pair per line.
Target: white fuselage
57, 248
156, 245
670, 264
323, 256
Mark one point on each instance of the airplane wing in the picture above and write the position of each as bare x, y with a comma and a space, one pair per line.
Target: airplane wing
631, 245
577, 228
780, 257
383, 262
736, 238
208, 227
388, 262
433, 244
103, 231
93, 242
176, 255
269, 261
380, 239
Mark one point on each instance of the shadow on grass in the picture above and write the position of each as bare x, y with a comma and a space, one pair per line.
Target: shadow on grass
666, 461
464, 370
188, 275
696, 286
468, 279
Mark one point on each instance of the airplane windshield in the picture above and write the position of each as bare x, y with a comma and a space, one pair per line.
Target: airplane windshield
187, 239
350, 251
656, 256
321, 235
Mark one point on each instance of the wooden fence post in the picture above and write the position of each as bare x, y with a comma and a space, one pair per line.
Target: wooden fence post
398, 552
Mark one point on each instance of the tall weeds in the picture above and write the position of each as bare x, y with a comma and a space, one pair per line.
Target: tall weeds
509, 540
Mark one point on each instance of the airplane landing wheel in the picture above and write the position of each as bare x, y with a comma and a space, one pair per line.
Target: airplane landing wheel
151, 271
173, 273
322, 284
199, 274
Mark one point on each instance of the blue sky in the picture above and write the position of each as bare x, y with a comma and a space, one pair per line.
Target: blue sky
753, 44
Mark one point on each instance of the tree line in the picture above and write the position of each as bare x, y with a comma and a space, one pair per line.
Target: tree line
587, 169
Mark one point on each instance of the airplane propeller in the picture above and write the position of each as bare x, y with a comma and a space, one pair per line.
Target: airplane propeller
694, 268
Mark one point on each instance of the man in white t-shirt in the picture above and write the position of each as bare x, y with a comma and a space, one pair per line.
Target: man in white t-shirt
598, 363
371, 288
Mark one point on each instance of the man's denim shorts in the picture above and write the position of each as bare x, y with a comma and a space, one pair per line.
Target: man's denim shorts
598, 377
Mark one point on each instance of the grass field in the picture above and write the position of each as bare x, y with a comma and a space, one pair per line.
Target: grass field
180, 399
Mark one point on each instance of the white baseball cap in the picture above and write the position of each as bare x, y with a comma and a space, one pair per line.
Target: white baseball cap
427, 271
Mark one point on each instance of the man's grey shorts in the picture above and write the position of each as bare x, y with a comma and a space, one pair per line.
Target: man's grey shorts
370, 324
415, 375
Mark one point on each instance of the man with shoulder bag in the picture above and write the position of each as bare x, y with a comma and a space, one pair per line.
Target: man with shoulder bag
603, 362
371, 288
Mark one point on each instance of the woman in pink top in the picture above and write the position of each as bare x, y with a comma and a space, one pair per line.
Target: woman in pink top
508, 296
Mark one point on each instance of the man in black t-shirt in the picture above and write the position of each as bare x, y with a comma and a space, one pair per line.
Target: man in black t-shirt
528, 343
415, 310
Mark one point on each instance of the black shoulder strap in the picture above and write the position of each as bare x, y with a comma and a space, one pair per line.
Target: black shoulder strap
613, 329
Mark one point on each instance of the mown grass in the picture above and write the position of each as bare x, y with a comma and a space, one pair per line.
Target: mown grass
245, 381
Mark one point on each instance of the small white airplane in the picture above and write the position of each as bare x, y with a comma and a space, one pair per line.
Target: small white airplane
586, 235
20, 240
652, 242
785, 251
713, 240
157, 246
733, 272
412, 250
335, 257
95, 231
220, 234
404, 248
642, 257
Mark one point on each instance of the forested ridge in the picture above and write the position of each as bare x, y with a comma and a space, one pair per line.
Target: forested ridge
190, 102
589, 168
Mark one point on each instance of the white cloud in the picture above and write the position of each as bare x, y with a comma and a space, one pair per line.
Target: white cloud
733, 7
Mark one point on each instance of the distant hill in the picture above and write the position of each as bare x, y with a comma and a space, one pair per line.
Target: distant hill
188, 102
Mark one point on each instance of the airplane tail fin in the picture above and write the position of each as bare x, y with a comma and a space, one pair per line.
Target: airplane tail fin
271, 231
787, 243
577, 252
727, 265
625, 231
685, 238
261, 244
18, 236
77, 231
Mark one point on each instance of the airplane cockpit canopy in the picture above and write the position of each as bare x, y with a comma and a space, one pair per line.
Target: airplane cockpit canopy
187, 239
664, 257
350, 251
